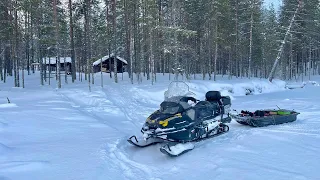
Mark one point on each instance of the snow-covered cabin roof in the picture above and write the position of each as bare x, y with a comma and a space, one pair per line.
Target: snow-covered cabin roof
52, 60
97, 62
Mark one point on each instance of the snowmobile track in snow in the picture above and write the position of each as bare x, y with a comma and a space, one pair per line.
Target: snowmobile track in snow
81, 109
116, 154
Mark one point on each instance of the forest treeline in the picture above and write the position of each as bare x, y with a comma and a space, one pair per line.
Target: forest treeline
237, 38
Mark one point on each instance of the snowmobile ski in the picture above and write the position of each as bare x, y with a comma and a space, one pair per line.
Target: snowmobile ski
143, 143
177, 149
181, 148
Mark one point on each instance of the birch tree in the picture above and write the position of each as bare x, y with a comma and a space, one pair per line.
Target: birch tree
57, 46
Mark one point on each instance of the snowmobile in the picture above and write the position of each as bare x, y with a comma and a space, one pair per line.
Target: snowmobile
183, 120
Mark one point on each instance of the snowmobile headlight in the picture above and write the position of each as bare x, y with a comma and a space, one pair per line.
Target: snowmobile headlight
178, 115
150, 121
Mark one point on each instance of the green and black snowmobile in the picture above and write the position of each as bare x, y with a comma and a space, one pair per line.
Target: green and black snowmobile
182, 120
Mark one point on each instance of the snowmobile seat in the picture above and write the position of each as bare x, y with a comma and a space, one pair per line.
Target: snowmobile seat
226, 100
214, 96
205, 109
226, 104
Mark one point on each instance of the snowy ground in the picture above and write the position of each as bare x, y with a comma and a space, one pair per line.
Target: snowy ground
74, 134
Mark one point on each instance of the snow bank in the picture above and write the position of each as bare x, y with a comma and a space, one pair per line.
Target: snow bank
314, 83
147, 96
258, 87
4, 149
296, 85
22, 166
155, 94
8, 105
236, 88
2, 125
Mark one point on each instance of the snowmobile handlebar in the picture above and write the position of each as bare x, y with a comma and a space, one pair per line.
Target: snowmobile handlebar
193, 99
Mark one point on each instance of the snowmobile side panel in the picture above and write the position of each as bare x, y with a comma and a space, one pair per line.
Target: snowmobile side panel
182, 148
226, 120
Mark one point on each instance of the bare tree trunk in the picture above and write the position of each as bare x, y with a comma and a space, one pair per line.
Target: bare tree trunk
144, 50
110, 55
82, 70
160, 39
318, 67
57, 42
236, 53
210, 52
65, 68
6, 62
31, 39
291, 59
315, 61
93, 75
240, 65
36, 45
79, 67
87, 39
175, 35
303, 65
297, 68
230, 64
11, 64
128, 39
101, 75
131, 59
109, 44
309, 63
216, 49
151, 59
26, 58
15, 53
1, 61
23, 64
28, 41
250, 46
282, 43
49, 71
115, 40
5, 52
45, 70
73, 56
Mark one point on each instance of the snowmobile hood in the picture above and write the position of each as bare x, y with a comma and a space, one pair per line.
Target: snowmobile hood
157, 118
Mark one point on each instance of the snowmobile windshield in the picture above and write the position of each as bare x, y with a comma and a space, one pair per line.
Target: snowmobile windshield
178, 88
170, 107
174, 105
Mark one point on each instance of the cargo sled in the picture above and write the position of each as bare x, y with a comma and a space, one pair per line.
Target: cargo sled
261, 118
